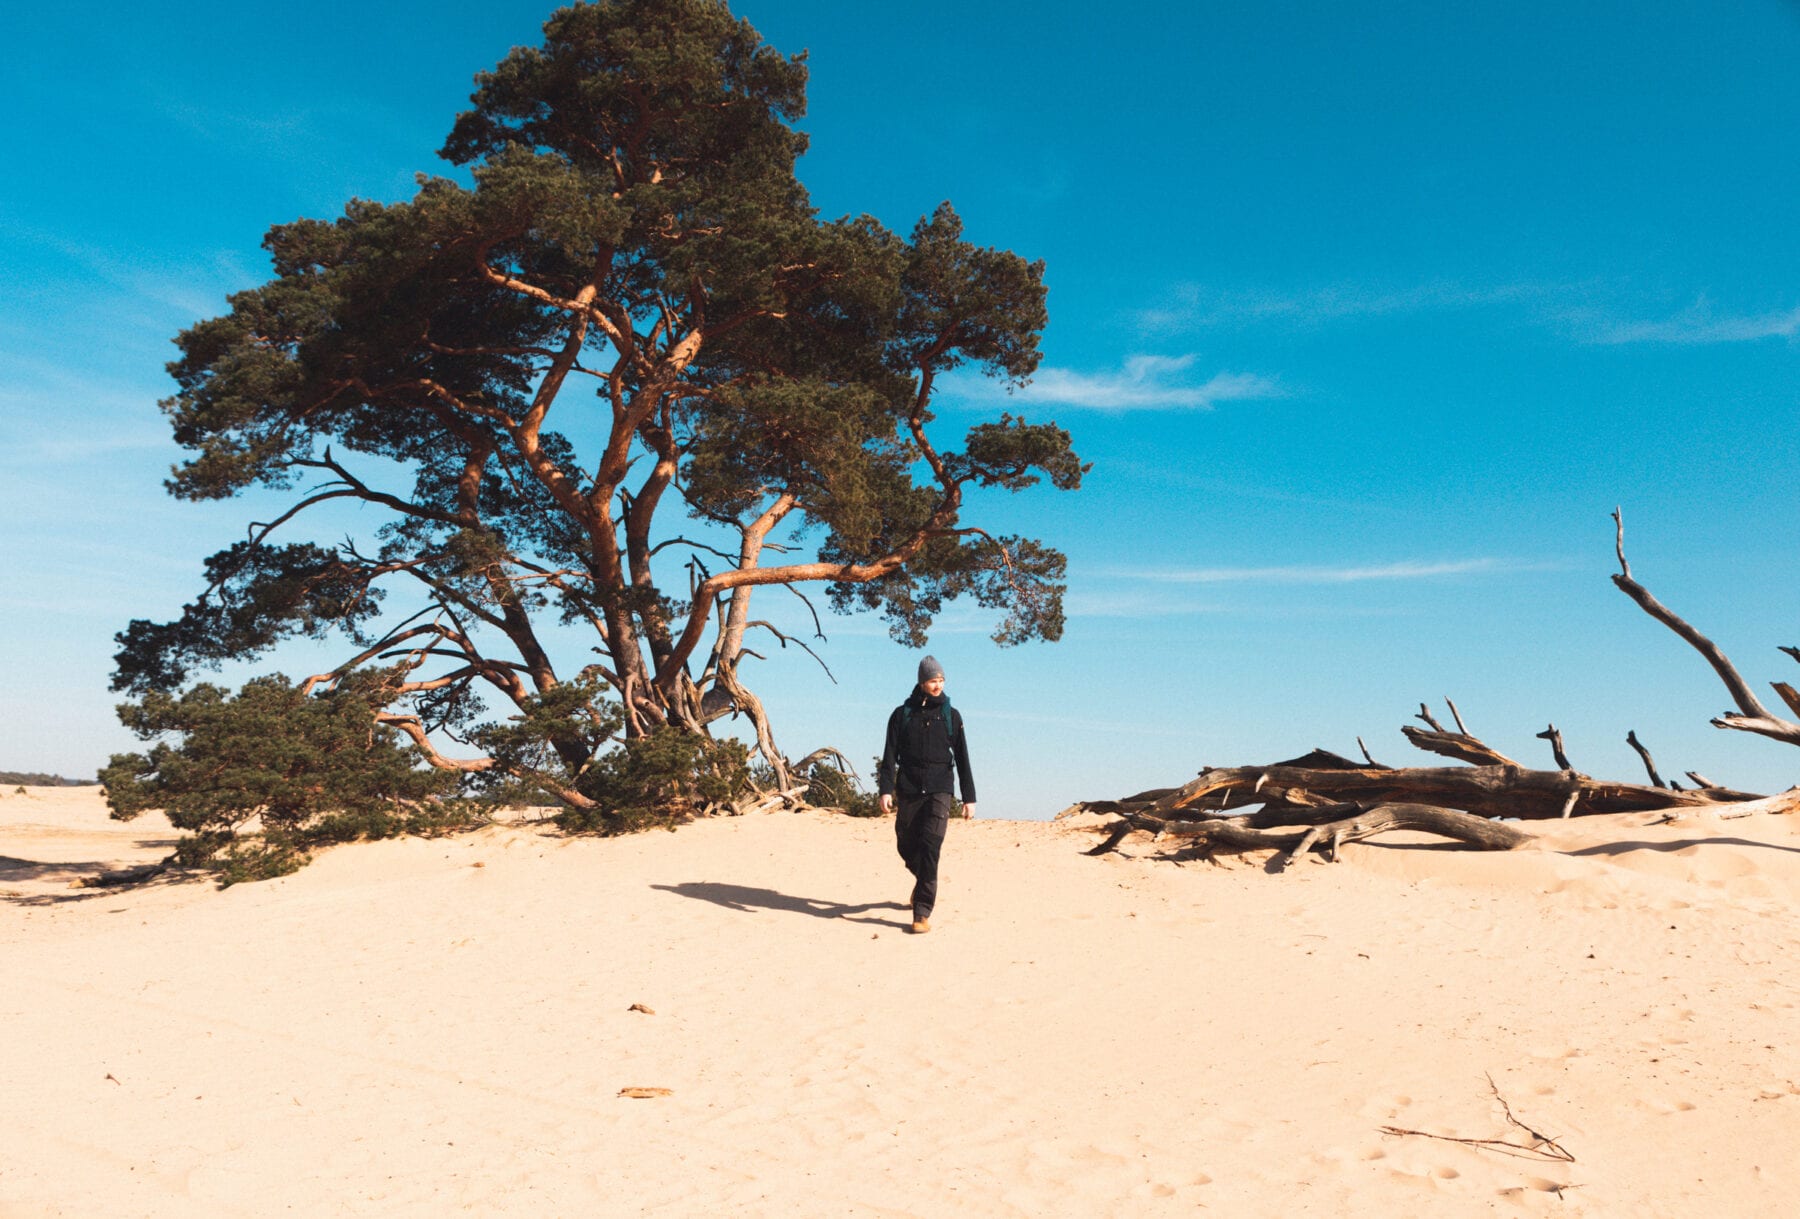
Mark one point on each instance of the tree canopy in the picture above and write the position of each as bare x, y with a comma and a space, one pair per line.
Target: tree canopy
624, 315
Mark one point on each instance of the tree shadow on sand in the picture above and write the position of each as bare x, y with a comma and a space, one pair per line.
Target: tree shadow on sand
41, 874
749, 900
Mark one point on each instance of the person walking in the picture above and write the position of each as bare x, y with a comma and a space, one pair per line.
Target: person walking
924, 745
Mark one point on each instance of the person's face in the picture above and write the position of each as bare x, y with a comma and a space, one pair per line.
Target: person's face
933, 686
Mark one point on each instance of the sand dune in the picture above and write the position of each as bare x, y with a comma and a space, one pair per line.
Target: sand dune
434, 1027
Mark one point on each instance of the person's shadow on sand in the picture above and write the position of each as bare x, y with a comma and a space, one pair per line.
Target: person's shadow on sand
747, 899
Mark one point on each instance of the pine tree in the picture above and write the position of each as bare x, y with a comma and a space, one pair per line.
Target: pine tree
629, 316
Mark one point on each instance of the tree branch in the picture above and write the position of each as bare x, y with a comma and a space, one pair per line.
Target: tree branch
799, 643
1754, 716
410, 725
1631, 739
1556, 747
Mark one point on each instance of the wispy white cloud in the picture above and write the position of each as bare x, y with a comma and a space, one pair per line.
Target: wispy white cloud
1404, 570
1195, 306
1694, 325
164, 292
1143, 382
1135, 603
304, 144
72, 450
1568, 307
52, 415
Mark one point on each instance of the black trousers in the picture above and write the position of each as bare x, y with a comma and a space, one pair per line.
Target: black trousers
919, 828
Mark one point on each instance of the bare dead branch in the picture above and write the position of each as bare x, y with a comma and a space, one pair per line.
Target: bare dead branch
1631, 739
258, 530
787, 639
818, 629
822, 754
1459, 745
1751, 715
712, 550
1788, 695
361, 490
1425, 714
1556, 747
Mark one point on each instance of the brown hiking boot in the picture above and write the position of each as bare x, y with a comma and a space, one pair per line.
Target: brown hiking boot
921, 926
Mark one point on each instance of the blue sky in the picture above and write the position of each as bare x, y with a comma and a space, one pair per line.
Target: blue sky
1366, 314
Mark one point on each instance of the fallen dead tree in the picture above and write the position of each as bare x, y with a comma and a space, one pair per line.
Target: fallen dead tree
1338, 824
1323, 798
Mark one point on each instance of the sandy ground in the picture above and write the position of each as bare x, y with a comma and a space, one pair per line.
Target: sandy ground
441, 1027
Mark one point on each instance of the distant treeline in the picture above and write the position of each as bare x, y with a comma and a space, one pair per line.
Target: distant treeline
32, 779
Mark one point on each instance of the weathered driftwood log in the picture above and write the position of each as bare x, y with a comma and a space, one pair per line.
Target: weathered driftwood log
1781, 802
1495, 791
762, 802
1333, 831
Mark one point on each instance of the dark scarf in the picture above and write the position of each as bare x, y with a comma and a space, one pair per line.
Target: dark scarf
921, 699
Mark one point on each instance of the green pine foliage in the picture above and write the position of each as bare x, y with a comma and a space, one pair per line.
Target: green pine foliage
829, 787
261, 777
659, 781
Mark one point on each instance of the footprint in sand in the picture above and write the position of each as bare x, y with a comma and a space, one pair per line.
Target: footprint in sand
1419, 1180
1389, 1106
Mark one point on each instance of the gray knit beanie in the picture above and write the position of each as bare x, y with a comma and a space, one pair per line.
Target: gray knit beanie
929, 668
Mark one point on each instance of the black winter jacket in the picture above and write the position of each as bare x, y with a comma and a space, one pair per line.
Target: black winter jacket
924, 744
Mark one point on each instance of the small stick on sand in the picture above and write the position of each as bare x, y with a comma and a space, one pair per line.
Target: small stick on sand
1542, 1148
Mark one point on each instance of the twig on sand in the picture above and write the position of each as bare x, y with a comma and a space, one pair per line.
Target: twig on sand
1542, 1146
